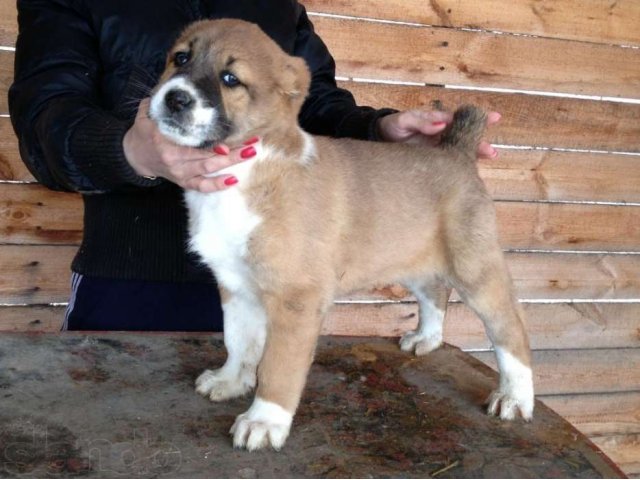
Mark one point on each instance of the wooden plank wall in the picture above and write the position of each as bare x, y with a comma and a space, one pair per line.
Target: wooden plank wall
565, 74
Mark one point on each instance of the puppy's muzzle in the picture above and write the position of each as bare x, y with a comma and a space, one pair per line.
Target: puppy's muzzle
187, 115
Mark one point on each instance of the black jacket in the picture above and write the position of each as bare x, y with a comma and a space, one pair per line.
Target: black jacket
81, 68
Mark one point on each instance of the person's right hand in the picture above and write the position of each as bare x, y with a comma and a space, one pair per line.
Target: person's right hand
151, 154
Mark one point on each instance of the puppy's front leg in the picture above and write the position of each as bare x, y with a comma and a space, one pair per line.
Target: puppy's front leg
244, 336
294, 321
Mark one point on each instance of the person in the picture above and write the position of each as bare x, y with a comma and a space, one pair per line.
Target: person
78, 105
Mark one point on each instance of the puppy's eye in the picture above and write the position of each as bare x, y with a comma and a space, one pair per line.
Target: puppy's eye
229, 79
181, 58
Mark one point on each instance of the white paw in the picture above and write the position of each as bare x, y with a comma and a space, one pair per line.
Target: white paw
515, 393
219, 385
508, 406
264, 424
420, 343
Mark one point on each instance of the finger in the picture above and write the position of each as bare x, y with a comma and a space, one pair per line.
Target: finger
485, 150
143, 108
493, 118
212, 184
246, 151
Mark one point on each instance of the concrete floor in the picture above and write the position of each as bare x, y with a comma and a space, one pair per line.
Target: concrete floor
123, 405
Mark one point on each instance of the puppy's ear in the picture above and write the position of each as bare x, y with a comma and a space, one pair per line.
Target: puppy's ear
295, 79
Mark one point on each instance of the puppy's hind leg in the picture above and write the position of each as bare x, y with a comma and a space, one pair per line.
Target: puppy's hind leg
245, 331
488, 291
432, 297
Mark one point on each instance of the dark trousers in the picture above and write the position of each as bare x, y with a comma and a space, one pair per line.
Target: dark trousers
106, 304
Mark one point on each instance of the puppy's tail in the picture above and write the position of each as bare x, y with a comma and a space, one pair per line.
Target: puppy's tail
468, 126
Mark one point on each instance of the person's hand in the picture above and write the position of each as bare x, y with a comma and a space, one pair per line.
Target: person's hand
421, 126
153, 155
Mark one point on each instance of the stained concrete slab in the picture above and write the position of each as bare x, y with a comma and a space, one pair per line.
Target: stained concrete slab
123, 405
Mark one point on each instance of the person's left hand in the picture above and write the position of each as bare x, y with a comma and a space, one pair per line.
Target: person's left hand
421, 126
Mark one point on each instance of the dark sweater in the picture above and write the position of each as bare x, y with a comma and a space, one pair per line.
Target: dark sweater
82, 67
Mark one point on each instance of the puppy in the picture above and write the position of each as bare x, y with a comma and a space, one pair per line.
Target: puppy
312, 218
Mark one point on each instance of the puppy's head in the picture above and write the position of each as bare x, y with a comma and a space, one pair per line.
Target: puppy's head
226, 80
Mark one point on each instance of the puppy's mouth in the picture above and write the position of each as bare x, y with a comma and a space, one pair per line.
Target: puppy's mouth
183, 115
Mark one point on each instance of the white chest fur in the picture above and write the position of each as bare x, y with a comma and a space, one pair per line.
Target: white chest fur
220, 226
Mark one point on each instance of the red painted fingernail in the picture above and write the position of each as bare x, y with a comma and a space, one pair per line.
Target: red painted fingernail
230, 181
221, 150
438, 124
248, 152
252, 140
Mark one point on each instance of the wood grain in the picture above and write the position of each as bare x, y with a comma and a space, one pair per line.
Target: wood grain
451, 57
32, 318
35, 274
624, 450
550, 276
599, 21
530, 120
557, 372
550, 326
35, 215
562, 176
599, 414
8, 23
11, 165
444, 56
6, 78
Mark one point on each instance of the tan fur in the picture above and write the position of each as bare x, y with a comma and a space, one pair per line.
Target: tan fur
354, 215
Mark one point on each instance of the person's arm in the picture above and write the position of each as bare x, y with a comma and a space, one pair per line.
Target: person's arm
332, 111
66, 137
328, 109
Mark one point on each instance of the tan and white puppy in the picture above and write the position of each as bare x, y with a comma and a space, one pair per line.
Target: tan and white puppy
312, 218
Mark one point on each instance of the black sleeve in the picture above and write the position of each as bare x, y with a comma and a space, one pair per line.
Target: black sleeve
330, 110
67, 139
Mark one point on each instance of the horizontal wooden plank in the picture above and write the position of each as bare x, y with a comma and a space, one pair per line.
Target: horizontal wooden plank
599, 414
550, 326
514, 175
11, 165
33, 318
550, 276
624, 450
8, 23
594, 21
35, 275
526, 119
32, 214
453, 57
562, 176
558, 372
598, 21
40, 274
575, 276
568, 226
530, 120
444, 56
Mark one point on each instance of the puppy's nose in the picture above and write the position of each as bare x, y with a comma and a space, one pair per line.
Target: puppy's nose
177, 100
